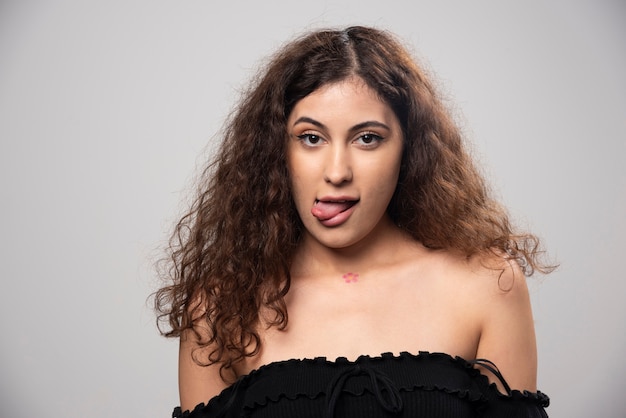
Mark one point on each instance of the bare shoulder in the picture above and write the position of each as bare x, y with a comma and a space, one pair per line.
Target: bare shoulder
507, 328
197, 382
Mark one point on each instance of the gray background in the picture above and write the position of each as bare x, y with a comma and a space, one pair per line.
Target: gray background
106, 110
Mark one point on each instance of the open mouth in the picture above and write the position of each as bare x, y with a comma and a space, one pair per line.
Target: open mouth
328, 209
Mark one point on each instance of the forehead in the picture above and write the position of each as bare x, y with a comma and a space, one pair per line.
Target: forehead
348, 100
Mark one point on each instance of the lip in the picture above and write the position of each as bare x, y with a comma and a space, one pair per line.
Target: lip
343, 198
343, 216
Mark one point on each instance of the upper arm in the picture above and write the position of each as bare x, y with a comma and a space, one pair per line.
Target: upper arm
508, 334
196, 383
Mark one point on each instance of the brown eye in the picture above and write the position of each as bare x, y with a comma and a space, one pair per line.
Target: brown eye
369, 140
309, 139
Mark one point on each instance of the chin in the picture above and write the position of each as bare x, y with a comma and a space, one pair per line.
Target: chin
336, 240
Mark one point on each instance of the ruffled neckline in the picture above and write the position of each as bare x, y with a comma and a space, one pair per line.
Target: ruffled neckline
481, 390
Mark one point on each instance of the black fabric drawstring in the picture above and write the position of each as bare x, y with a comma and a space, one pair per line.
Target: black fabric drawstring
379, 384
489, 365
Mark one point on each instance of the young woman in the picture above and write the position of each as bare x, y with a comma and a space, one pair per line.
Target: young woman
343, 257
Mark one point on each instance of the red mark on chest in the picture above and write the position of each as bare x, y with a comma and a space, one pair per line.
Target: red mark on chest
350, 277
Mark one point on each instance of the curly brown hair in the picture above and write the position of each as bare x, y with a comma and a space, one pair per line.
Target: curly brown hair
230, 254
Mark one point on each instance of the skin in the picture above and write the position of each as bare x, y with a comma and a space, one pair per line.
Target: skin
407, 297
344, 143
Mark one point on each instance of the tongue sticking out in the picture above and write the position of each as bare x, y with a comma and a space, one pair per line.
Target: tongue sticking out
328, 210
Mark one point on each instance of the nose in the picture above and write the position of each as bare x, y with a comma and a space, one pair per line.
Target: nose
338, 168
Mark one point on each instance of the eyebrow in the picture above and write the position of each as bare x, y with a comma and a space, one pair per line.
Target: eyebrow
358, 126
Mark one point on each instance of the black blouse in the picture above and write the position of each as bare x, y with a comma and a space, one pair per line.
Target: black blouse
433, 385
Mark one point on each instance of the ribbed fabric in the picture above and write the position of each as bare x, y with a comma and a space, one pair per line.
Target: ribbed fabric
433, 385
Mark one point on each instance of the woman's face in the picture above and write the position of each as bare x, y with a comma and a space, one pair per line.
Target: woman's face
344, 152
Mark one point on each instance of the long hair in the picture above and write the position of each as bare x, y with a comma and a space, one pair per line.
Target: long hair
231, 253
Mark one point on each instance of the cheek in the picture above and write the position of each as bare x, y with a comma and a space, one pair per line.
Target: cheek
385, 173
292, 172
386, 185
303, 171
299, 186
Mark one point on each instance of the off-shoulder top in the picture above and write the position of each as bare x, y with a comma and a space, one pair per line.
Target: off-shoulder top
433, 385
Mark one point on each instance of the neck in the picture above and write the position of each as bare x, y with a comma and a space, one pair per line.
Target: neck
378, 249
